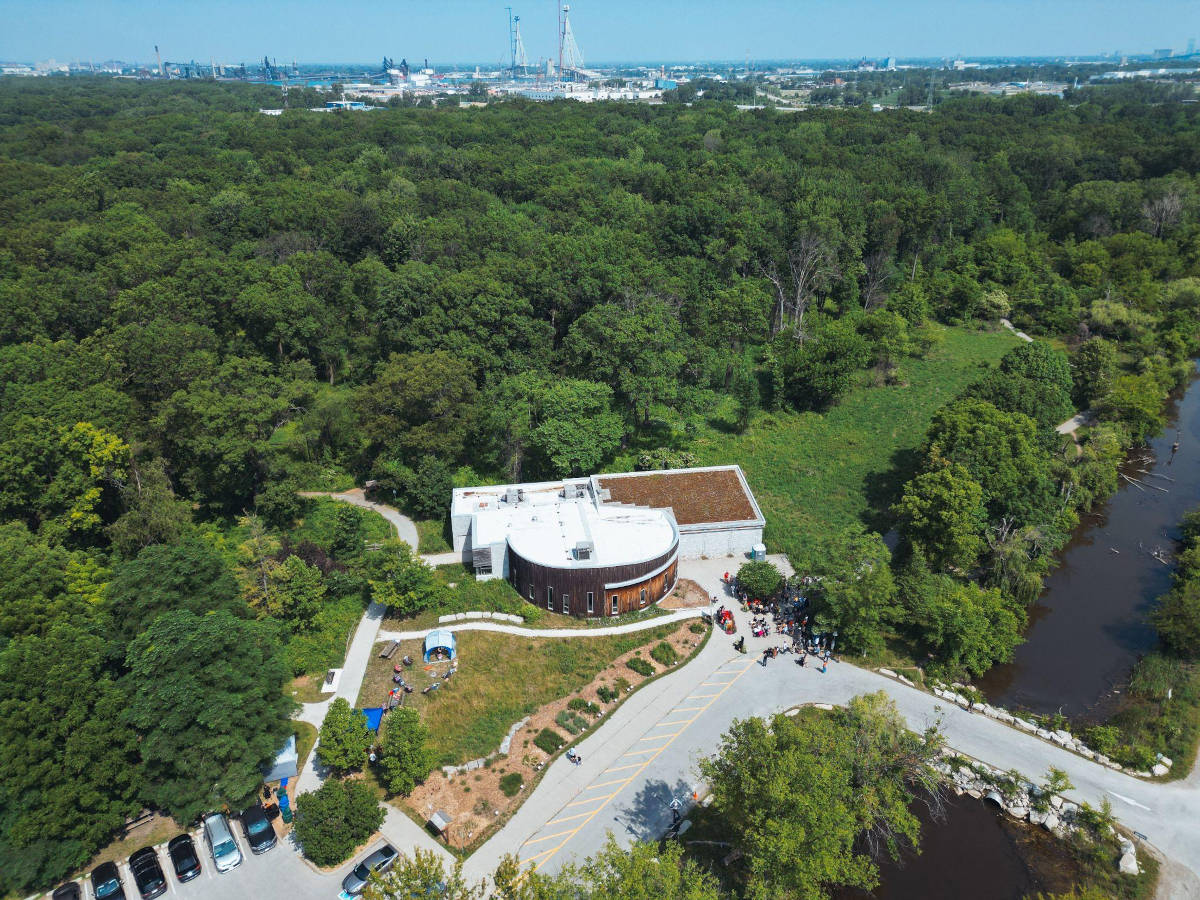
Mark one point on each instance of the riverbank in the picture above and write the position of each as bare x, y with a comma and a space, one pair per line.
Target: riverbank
1090, 626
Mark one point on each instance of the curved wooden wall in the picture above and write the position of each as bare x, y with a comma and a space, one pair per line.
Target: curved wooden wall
527, 577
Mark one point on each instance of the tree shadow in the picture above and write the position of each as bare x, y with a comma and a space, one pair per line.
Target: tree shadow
882, 489
648, 815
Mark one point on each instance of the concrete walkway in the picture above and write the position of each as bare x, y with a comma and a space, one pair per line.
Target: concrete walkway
1076, 421
1022, 335
405, 529
677, 615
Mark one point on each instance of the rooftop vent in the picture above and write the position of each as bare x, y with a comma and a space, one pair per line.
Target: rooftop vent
584, 550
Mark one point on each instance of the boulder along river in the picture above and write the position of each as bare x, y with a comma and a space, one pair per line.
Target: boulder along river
1089, 626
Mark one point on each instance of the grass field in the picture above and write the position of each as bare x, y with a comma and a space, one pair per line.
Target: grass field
501, 678
431, 536
814, 472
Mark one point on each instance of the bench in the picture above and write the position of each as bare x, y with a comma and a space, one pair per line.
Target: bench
389, 651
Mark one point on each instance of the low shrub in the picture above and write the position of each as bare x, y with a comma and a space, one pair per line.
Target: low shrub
566, 721
664, 654
580, 705
511, 784
548, 740
697, 628
606, 694
641, 666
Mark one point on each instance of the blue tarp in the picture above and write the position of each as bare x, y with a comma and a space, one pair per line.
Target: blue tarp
374, 717
441, 639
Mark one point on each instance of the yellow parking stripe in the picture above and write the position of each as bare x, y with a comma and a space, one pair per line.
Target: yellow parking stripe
543, 856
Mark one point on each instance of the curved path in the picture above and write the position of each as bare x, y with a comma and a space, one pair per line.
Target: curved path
405, 529
677, 615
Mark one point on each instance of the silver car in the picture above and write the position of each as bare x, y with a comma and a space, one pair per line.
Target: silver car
378, 862
224, 848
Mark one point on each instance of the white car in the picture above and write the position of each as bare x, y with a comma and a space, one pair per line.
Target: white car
225, 852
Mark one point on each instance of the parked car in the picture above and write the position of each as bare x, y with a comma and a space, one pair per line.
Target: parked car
106, 882
224, 848
147, 873
68, 891
379, 862
260, 835
184, 858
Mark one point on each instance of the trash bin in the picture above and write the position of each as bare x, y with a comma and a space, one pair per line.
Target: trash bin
759, 552
285, 807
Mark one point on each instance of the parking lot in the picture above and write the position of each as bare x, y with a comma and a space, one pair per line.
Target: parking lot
278, 873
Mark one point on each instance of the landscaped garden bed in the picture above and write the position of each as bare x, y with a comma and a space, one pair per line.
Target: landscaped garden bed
500, 680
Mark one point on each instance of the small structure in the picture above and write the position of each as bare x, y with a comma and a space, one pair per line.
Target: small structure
286, 764
440, 640
440, 821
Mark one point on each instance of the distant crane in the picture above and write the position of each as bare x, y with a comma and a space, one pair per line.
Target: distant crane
161, 71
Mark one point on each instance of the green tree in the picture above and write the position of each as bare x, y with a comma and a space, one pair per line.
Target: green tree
856, 592
759, 579
1177, 618
406, 759
1000, 451
825, 794
645, 871
941, 513
818, 371
424, 874
968, 628
70, 761
297, 594
633, 348
419, 404
334, 819
1137, 401
402, 581
153, 514
206, 696
1093, 368
189, 575
344, 738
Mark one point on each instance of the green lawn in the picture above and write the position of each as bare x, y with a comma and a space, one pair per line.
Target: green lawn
501, 678
813, 472
431, 536
321, 519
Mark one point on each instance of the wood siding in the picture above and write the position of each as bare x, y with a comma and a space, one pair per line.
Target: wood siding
548, 582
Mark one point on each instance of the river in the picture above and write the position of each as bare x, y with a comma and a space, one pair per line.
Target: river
977, 851
1088, 628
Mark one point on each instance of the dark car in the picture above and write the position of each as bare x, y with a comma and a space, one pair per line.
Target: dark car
68, 891
259, 833
147, 873
185, 859
378, 862
106, 882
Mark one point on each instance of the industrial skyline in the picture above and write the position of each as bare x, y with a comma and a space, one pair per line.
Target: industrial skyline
476, 31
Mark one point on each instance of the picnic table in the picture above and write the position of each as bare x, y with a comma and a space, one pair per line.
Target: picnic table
389, 651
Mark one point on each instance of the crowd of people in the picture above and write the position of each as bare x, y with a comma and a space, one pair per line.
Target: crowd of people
788, 615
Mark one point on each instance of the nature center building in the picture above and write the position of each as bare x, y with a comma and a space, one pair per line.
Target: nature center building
607, 544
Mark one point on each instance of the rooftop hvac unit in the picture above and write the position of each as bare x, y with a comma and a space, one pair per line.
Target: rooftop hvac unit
585, 549
512, 495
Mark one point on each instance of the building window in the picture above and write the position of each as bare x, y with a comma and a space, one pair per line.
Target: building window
591, 597
616, 600
566, 604
643, 596
550, 599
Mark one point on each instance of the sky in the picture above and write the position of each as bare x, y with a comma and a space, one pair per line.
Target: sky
458, 31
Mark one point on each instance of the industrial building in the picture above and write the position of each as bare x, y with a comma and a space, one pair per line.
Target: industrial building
607, 544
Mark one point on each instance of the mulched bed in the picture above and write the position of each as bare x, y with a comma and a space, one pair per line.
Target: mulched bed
695, 497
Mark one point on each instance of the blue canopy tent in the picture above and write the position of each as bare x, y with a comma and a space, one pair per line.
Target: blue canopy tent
374, 717
440, 639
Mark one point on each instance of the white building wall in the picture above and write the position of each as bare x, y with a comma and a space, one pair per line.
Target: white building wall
718, 542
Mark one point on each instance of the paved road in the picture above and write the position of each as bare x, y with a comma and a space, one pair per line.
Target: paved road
646, 754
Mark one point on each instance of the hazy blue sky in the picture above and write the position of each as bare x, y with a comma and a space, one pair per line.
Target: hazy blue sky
476, 30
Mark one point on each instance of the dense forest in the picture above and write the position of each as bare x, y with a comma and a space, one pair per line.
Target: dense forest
204, 309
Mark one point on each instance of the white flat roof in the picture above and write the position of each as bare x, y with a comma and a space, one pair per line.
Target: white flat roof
545, 527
